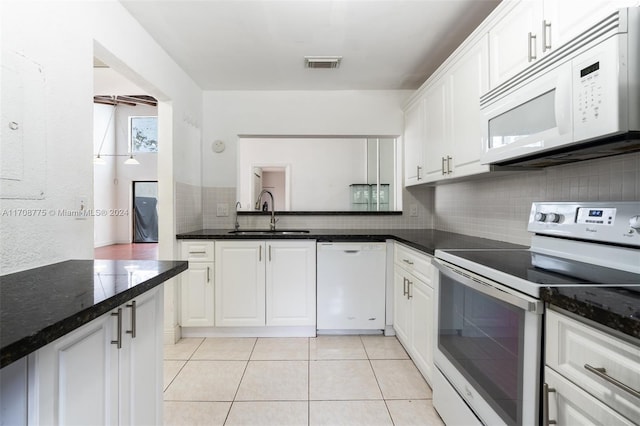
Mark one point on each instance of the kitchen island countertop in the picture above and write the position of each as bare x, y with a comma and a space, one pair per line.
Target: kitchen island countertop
39, 305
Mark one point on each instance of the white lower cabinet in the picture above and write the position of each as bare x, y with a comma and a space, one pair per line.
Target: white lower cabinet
239, 283
107, 372
413, 307
570, 405
260, 283
196, 284
291, 283
592, 377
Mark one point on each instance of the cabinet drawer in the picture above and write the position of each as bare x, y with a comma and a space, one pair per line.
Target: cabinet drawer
572, 346
197, 251
570, 405
417, 263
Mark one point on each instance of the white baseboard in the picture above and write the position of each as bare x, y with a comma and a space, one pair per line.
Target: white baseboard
304, 331
172, 335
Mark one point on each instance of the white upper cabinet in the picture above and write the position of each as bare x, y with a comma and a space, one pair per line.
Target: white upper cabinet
534, 28
468, 80
514, 40
414, 142
452, 117
436, 134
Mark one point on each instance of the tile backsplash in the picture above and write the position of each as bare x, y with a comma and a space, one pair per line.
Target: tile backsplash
422, 198
188, 207
495, 207
498, 207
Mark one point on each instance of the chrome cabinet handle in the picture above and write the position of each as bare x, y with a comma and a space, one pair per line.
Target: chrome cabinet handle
208, 274
118, 341
132, 332
546, 35
449, 164
444, 171
409, 294
407, 261
260, 255
532, 51
545, 405
418, 172
269, 253
198, 252
404, 286
602, 373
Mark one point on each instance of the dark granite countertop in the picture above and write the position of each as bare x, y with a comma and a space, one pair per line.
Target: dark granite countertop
39, 305
426, 240
614, 307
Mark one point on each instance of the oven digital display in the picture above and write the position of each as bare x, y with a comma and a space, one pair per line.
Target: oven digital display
601, 216
588, 70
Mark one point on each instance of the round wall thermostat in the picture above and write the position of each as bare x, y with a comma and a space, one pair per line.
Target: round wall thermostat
218, 146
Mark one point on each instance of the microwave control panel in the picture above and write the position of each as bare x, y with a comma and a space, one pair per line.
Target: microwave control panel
610, 222
590, 93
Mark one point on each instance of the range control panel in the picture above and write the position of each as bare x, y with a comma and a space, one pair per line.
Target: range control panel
610, 222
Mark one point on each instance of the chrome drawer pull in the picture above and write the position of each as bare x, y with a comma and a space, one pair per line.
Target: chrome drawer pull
118, 341
545, 407
602, 373
407, 261
132, 332
197, 252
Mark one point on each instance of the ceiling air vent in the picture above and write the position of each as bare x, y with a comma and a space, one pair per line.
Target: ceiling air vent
322, 61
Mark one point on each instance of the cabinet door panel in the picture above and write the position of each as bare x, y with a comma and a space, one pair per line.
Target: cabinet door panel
435, 130
240, 283
468, 80
422, 327
569, 405
77, 377
569, 18
196, 289
509, 40
291, 283
413, 143
141, 364
401, 313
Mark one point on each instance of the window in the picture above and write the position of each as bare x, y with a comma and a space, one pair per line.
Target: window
143, 134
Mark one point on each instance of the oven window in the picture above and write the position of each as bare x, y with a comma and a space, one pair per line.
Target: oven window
484, 339
530, 118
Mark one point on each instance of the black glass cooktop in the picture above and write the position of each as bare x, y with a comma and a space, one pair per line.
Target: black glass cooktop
545, 270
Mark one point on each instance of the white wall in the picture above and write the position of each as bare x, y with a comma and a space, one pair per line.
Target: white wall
320, 170
227, 114
63, 37
104, 195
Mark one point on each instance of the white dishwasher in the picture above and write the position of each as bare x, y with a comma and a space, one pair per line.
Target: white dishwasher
351, 287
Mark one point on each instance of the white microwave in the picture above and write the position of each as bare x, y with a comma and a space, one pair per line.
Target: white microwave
582, 101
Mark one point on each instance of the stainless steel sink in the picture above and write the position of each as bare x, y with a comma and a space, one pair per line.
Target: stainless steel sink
269, 232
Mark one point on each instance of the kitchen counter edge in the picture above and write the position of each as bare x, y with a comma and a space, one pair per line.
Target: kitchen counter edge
15, 350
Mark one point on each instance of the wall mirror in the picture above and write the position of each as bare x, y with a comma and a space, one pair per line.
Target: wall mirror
319, 174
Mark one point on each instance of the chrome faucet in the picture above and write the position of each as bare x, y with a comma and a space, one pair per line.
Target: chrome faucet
237, 225
272, 224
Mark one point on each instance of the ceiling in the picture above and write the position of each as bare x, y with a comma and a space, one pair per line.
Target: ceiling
261, 44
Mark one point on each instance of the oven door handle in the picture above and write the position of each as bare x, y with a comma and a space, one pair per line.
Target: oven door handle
488, 287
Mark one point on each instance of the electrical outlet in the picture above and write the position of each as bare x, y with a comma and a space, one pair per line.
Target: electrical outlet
222, 209
413, 210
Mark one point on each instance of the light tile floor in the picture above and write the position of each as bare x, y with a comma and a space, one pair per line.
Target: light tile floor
327, 380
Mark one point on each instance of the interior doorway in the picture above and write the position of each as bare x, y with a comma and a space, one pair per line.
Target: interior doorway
145, 212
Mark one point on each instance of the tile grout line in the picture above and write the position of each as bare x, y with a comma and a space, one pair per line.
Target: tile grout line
233, 400
181, 368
